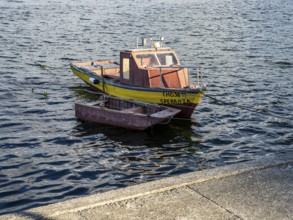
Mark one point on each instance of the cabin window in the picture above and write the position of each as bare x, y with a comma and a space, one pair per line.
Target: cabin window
167, 59
125, 68
156, 59
147, 59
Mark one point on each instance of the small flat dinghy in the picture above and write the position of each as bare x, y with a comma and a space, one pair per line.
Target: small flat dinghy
124, 113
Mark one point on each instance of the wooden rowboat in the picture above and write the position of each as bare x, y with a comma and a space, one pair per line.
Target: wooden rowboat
124, 113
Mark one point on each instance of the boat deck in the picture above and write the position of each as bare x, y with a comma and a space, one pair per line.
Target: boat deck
106, 68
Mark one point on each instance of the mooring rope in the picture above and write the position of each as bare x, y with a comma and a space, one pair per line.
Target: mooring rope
255, 110
250, 109
46, 67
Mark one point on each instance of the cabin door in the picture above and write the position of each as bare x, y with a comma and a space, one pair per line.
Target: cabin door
125, 68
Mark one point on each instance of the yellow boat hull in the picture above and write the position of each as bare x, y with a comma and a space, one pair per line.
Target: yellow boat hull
184, 99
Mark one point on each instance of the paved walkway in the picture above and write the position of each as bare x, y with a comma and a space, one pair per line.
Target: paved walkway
261, 189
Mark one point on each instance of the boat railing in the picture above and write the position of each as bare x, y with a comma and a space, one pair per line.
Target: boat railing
198, 83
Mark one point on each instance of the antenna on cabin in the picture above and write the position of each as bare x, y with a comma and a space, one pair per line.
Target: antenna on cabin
144, 41
161, 40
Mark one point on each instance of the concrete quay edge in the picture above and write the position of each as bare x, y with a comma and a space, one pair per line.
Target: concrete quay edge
144, 189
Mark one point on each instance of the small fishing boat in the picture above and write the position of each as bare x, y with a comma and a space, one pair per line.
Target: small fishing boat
152, 75
124, 113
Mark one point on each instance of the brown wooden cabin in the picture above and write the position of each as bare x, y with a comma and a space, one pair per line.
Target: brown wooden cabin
152, 68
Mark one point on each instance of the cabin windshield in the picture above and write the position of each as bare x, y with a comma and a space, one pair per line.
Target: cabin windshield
156, 59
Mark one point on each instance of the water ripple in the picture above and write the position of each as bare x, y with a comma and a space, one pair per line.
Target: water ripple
244, 49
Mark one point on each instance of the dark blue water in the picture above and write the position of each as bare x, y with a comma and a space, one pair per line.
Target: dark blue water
244, 49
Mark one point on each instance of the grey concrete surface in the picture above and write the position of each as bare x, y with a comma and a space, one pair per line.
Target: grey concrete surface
260, 189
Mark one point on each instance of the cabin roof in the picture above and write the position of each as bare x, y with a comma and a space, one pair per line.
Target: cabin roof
148, 50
